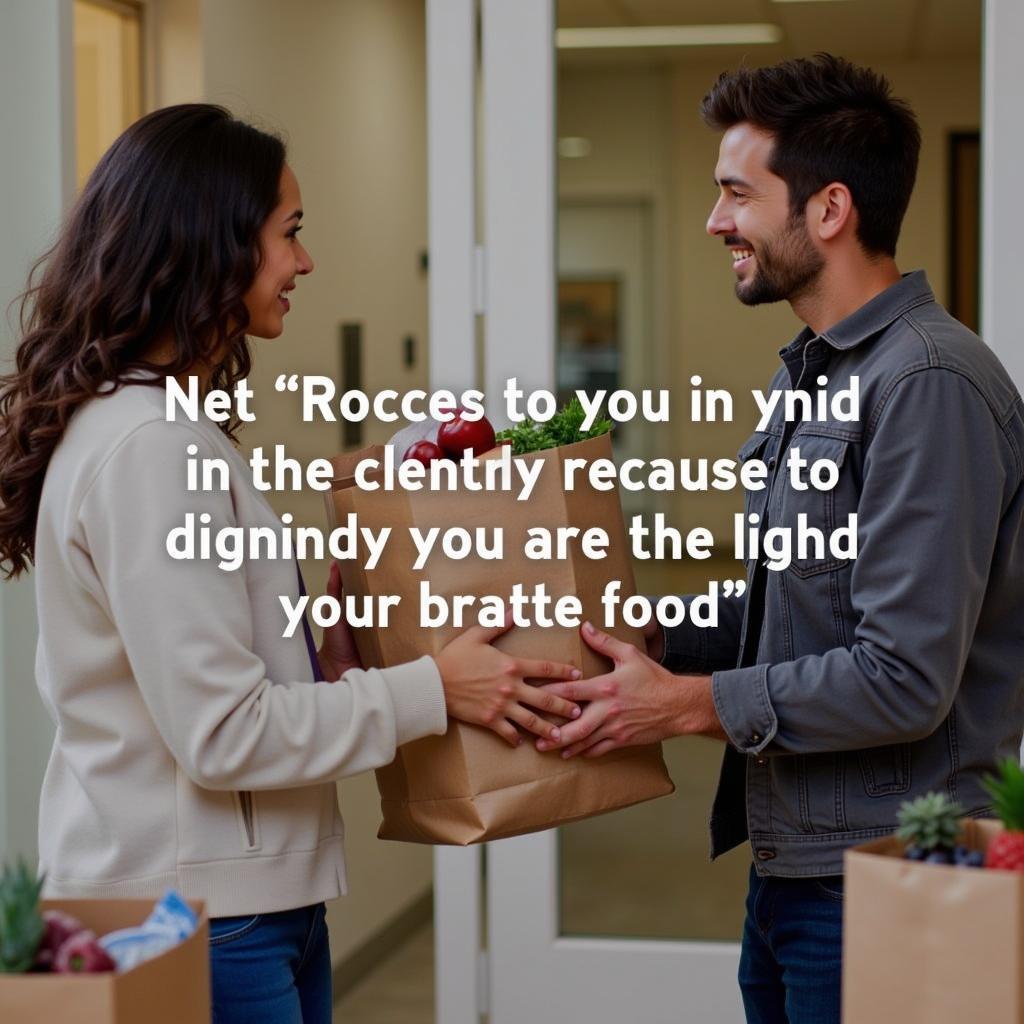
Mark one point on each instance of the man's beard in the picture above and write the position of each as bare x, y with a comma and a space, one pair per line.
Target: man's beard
784, 268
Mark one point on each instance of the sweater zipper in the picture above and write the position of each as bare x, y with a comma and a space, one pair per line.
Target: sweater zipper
245, 801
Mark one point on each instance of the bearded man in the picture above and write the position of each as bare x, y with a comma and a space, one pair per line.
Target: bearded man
841, 687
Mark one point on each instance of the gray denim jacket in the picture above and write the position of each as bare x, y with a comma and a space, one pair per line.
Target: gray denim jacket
902, 671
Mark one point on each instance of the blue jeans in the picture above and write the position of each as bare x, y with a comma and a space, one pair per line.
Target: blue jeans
271, 968
791, 957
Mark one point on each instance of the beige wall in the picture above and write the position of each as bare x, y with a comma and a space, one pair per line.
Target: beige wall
344, 82
647, 137
177, 74
37, 175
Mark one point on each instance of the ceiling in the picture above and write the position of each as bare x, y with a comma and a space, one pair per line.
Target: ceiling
890, 29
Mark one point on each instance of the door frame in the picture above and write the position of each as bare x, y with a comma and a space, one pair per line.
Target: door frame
518, 301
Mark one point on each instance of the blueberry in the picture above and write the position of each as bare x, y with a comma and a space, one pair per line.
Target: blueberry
975, 859
960, 854
915, 853
937, 857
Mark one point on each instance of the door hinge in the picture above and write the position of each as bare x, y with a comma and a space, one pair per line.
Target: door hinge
479, 281
483, 982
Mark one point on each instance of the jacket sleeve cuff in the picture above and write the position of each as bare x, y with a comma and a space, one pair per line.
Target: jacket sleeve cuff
418, 698
744, 707
685, 649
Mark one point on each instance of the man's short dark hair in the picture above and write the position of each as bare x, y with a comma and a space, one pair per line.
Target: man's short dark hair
832, 121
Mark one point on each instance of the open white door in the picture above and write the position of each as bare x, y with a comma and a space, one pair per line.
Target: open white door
535, 972
535, 968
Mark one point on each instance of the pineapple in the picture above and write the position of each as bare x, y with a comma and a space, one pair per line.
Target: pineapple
929, 826
21, 924
1007, 850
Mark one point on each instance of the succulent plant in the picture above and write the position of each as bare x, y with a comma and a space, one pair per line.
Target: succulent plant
930, 822
21, 923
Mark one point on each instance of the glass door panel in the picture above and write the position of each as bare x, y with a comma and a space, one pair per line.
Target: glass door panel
645, 303
625, 906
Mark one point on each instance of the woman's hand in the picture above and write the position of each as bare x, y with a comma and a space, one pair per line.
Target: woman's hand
338, 653
483, 686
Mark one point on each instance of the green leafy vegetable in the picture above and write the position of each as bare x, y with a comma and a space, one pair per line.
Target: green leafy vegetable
565, 427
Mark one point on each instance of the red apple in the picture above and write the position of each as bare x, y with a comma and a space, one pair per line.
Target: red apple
82, 954
423, 451
59, 928
461, 435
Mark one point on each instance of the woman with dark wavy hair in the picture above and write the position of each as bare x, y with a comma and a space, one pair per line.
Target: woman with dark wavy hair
192, 750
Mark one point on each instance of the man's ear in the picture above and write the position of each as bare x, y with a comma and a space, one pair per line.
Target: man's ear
830, 210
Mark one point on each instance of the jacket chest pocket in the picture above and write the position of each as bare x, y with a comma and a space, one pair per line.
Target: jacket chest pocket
885, 770
804, 506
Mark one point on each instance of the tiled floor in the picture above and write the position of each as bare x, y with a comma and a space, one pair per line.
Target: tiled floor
399, 991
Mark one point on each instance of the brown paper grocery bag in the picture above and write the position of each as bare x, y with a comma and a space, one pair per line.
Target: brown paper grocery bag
469, 786
931, 943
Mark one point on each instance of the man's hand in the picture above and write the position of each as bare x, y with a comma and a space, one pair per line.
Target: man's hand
637, 702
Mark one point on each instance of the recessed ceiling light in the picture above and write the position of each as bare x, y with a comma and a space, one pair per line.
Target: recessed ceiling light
666, 35
572, 147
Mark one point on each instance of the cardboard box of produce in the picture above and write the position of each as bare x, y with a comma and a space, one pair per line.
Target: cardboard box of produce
469, 786
173, 988
930, 942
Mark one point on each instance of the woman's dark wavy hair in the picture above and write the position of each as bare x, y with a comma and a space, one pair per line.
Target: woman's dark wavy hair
832, 121
164, 241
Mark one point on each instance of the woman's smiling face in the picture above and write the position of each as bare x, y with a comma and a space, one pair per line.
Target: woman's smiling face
283, 259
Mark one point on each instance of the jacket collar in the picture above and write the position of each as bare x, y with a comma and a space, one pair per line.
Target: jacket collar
911, 290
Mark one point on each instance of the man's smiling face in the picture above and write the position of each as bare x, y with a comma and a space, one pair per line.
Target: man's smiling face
773, 256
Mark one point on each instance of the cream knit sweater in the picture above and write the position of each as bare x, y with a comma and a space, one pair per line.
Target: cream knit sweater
192, 747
